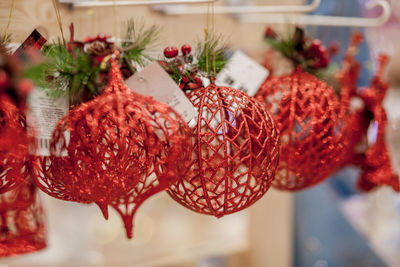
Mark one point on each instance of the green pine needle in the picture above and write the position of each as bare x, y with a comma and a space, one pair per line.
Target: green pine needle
138, 37
66, 73
4, 41
212, 46
76, 73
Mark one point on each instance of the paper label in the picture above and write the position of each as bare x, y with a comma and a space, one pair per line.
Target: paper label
154, 81
243, 73
43, 116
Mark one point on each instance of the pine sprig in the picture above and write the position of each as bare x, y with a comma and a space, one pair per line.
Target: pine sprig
212, 50
303, 51
4, 42
80, 70
138, 37
67, 73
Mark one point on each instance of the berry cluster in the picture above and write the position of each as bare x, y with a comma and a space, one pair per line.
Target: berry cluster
317, 53
309, 53
182, 68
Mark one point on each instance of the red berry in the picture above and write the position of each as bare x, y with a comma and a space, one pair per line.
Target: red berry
170, 51
270, 33
197, 80
193, 86
334, 48
319, 54
316, 45
24, 87
185, 79
186, 49
3, 78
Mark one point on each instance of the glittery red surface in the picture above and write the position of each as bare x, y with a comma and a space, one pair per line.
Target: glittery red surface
122, 148
374, 161
235, 153
22, 221
13, 144
305, 110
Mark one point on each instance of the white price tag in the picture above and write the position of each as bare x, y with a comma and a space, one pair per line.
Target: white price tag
154, 81
43, 116
241, 72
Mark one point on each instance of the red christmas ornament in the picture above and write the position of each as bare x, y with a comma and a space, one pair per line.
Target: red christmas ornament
355, 123
22, 221
13, 93
235, 153
13, 145
374, 162
305, 110
119, 145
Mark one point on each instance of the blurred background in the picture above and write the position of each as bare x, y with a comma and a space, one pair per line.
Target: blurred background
332, 224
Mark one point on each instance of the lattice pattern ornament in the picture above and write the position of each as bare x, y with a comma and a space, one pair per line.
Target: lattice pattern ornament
120, 145
306, 112
235, 153
22, 221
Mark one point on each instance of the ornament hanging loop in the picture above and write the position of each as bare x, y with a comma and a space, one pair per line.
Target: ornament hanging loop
59, 21
6, 35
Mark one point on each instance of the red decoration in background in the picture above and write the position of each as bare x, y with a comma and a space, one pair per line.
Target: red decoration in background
13, 131
305, 110
122, 148
235, 153
22, 221
375, 160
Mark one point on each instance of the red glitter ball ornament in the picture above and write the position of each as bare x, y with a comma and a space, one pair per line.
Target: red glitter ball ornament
120, 144
235, 153
305, 110
22, 221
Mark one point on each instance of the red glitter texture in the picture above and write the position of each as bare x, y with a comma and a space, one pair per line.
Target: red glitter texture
13, 145
374, 162
235, 153
22, 221
305, 110
122, 148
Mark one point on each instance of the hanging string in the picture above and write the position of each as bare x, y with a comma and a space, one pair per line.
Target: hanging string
213, 34
58, 15
9, 18
115, 20
91, 14
206, 31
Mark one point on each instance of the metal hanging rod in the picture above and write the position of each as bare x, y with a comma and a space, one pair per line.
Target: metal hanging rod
336, 21
185, 10
132, 3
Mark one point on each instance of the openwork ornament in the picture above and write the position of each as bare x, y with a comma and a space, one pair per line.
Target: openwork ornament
306, 112
235, 153
120, 145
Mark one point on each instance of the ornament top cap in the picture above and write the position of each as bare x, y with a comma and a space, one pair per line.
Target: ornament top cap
116, 81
